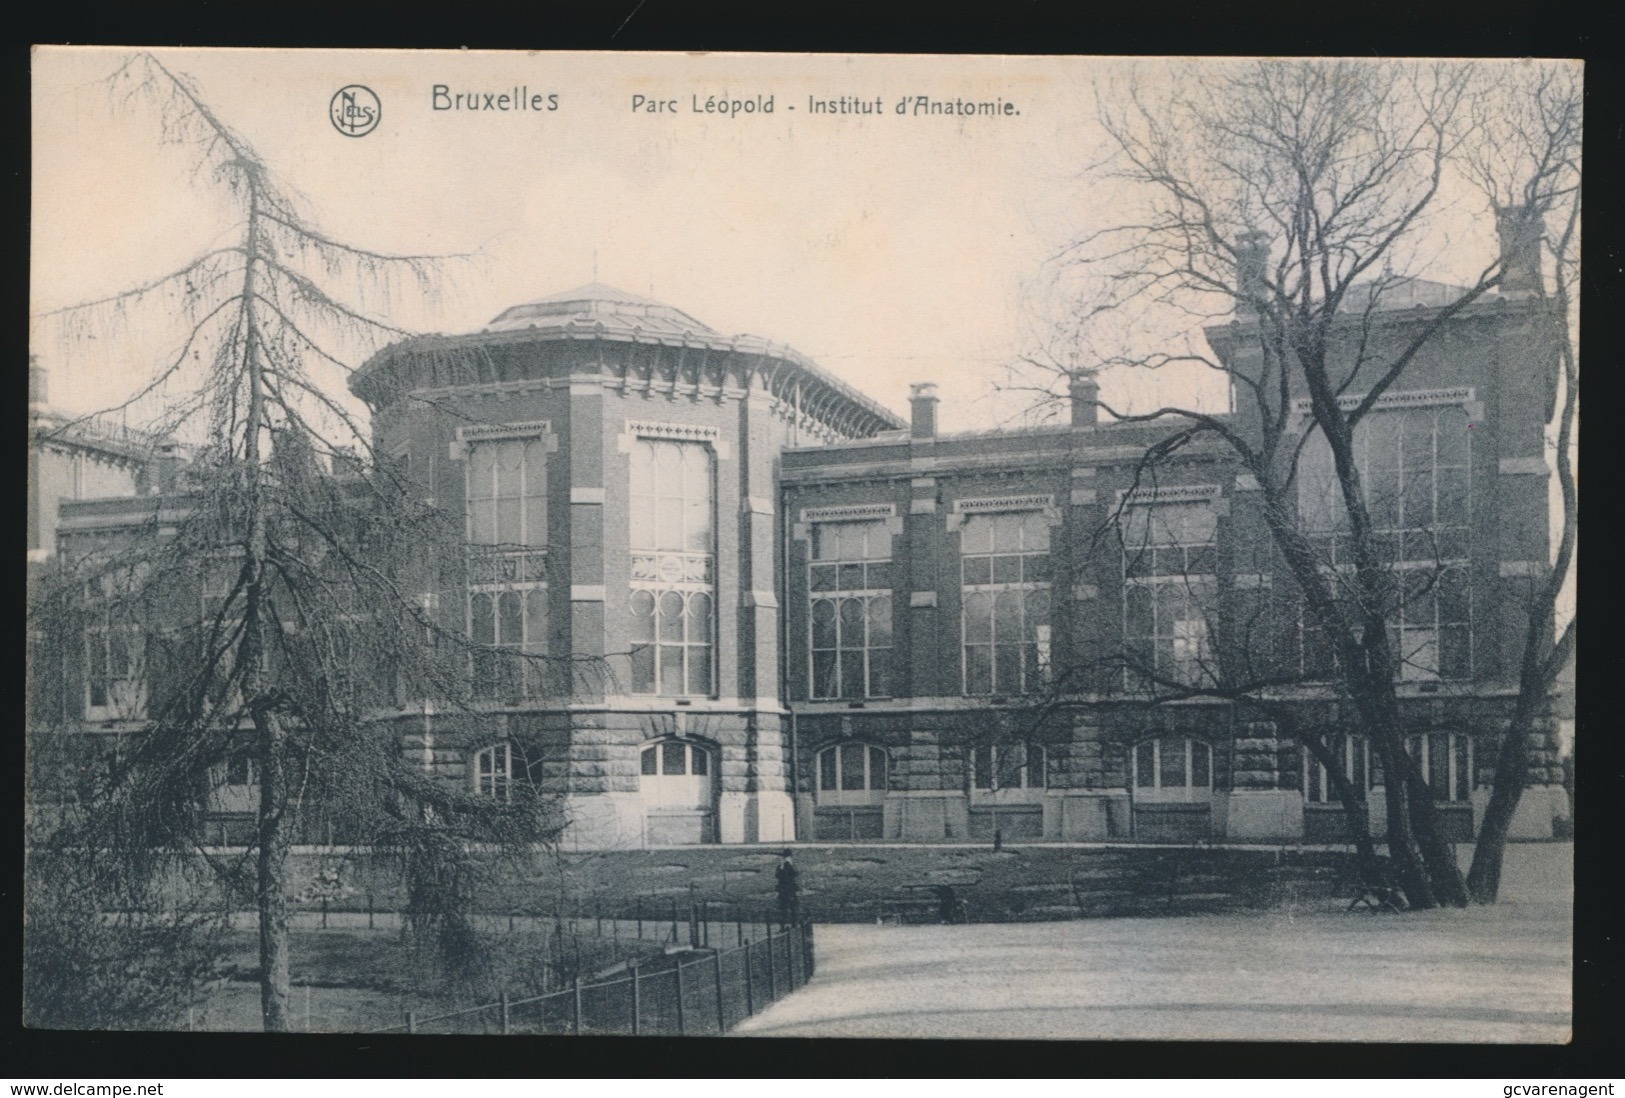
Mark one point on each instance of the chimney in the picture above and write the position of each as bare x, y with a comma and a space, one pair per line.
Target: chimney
1085, 398
1252, 259
922, 403
1519, 228
38, 386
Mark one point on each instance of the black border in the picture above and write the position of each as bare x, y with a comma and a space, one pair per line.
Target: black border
1372, 27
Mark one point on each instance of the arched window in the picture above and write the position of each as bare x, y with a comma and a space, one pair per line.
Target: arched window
1446, 761
493, 771
1009, 766
852, 773
501, 768
676, 773
1173, 768
1353, 753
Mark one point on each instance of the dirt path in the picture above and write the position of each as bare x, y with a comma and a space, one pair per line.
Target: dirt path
1500, 974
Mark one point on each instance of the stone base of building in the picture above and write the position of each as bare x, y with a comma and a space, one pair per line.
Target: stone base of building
622, 821
1263, 815
604, 821
926, 816
762, 817
1087, 817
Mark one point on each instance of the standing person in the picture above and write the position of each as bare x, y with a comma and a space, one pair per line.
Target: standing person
789, 885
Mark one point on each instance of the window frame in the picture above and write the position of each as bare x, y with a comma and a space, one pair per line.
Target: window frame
1032, 598
496, 782
875, 785
1157, 792
689, 791
500, 669
1195, 593
658, 571
994, 767
519, 771
875, 669
124, 689
1392, 525
1459, 785
1355, 752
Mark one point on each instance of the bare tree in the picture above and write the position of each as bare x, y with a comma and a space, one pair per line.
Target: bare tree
1528, 157
277, 597
1301, 198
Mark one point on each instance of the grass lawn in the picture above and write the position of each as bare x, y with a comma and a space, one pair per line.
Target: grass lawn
855, 883
367, 979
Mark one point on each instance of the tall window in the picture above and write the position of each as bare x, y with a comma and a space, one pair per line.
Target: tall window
851, 773
673, 567
1353, 753
241, 769
1005, 577
1415, 470
220, 577
1009, 766
507, 493
849, 590
114, 683
1173, 768
507, 580
1169, 586
115, 648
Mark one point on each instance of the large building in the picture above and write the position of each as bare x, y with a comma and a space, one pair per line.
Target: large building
791, 614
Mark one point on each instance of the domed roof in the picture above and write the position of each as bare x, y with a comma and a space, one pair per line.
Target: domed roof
598, 305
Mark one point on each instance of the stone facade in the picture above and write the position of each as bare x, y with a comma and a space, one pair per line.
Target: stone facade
888, 632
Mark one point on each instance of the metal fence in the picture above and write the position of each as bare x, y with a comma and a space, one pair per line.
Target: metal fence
692, 990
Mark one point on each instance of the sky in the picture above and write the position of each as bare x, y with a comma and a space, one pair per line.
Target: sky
890, 248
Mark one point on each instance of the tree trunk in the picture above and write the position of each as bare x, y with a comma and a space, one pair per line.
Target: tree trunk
1404, 851
272, 883
1354, 807
1438, 855
1484, 878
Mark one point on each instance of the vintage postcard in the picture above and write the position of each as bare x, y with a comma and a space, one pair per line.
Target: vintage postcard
802, 545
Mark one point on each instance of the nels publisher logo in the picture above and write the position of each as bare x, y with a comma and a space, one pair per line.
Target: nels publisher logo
355, 110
